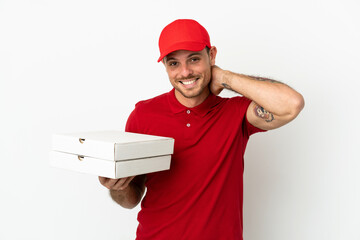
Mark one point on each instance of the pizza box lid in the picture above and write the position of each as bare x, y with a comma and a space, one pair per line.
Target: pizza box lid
112, 145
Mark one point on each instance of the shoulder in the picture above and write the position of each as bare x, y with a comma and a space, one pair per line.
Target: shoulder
230, 108
155, 104
236, 111
143, 111
238, 102
234, 108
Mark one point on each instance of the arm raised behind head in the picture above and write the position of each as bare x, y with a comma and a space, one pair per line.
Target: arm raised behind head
273, 105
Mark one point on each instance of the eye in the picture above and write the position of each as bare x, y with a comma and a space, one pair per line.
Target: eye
195, 59
172, 64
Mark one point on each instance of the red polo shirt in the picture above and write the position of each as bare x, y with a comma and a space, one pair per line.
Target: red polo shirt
201, 196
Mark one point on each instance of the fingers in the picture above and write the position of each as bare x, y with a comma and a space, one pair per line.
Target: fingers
116, 184
107, 182
127, 182
123, 183
102, 180
119, 185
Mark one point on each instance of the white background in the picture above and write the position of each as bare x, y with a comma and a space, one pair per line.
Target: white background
75, 65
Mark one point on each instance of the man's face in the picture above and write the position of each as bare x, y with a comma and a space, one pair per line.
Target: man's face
190, 72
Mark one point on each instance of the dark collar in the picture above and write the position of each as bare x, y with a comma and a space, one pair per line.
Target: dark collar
202, 109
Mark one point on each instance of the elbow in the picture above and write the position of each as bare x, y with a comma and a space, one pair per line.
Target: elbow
297, 105
126, 199
300, 103
128, 206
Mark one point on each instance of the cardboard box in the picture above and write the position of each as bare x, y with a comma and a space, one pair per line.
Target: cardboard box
112, 154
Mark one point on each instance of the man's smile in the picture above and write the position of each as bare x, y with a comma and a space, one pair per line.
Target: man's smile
189, 82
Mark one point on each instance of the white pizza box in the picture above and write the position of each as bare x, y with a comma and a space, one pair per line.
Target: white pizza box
112, 145
110, 169
112, 154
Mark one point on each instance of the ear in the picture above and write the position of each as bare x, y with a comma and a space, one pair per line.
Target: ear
212, 54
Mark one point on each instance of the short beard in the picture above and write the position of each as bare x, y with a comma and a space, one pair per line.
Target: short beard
193, 95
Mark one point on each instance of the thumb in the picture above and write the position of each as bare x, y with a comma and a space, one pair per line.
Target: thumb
102, 180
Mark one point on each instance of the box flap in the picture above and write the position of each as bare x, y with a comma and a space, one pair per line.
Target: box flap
113, 145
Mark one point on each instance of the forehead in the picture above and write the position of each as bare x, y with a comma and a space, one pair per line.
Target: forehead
183, 53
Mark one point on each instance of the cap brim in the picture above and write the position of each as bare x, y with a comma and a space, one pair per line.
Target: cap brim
189, 46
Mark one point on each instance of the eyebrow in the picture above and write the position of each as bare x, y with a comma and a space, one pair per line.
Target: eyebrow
190, 55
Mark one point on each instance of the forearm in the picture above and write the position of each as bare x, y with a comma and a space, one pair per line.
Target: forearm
129, 197
275, 97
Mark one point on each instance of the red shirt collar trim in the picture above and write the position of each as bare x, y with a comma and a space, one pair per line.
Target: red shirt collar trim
202, 109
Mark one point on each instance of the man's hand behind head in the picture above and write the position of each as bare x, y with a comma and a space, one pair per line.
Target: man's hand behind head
218, 80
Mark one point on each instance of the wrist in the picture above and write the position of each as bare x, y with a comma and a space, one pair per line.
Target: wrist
226, 80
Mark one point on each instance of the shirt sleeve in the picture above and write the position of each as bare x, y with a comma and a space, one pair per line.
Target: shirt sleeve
251, 129
247, 128
132, 123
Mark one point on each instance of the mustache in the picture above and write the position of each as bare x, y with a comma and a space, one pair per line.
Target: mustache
188, 77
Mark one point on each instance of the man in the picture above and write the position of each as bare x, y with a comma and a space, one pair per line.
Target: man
201, 196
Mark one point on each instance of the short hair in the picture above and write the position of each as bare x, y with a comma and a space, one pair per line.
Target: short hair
207, 50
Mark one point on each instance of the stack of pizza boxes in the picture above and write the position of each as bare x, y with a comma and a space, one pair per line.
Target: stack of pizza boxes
112, 154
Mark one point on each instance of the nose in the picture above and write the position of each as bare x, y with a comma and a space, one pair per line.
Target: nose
185, 70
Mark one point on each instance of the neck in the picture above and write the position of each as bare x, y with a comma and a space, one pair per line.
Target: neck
191, 102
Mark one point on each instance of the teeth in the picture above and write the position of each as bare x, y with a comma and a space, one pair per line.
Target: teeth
188, 82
